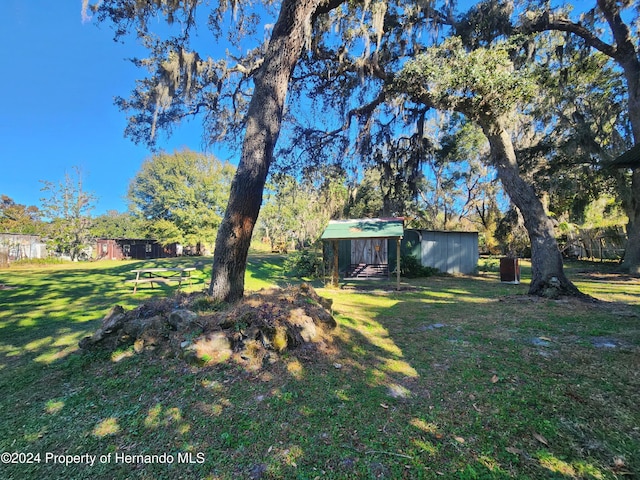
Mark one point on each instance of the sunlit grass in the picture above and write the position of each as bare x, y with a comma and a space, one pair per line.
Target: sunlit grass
107, 427
447, 378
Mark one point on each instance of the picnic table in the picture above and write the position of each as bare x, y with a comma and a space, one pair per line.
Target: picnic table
158, 275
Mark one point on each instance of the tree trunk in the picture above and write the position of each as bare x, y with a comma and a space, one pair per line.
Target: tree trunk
631, 262
547, 271
626, 55
263, 127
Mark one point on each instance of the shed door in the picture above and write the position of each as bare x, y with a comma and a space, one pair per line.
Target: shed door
370, 251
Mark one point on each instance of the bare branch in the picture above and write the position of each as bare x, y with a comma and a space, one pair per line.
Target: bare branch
547, 21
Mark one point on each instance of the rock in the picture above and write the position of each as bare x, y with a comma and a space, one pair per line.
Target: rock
304, 324
433, 326
113, 320
604, 342
135, 327
155, 331
258, 471
110, 323
182, 319
540, 342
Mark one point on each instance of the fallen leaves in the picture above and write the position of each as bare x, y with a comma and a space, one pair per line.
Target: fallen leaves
541, 439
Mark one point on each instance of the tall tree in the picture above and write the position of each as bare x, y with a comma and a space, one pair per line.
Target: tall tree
484, 85
184, 83
67, 208
605, 19
114, 224
264, 118
182, 196
17, 218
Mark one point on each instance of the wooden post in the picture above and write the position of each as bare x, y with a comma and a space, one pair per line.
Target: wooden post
398, 263
335, 278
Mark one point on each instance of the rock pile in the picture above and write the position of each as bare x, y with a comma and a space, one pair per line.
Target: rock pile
254, 330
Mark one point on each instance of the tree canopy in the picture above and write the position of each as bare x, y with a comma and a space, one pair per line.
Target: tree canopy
349, 68
18, 218
114, 224
181, 196
66, 208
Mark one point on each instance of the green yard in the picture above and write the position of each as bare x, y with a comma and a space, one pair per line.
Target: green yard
452, 377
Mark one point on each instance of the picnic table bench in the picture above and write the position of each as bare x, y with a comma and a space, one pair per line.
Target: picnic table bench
154, 275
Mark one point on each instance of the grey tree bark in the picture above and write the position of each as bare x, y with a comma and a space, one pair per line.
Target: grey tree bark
547, 270
264, 119
627, 54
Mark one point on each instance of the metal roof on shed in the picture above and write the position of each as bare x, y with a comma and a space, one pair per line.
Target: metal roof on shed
364, 228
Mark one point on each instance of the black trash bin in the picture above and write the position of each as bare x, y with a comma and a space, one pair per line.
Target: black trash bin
510, 270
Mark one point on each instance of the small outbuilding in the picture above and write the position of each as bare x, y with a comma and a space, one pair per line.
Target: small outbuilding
362, 247
17, 246
131, 248
447, 251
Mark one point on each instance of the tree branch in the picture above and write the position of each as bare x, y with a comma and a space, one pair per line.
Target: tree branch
537, 22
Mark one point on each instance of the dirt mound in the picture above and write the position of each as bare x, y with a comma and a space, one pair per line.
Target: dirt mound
252, 331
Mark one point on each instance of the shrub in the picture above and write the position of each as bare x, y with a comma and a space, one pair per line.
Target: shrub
40, 261
410, 267
303, 263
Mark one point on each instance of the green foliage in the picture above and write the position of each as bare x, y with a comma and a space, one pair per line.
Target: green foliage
17, 218
365, 198
297, 211
67, 207
410, 267
303, 263
480, 82
114, 224
182, 196
604, 212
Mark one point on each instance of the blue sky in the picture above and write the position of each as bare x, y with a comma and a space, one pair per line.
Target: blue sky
58, 81
57, 86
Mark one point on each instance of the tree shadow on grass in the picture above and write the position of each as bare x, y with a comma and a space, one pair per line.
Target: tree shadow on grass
47, 311
399, 397
485, 401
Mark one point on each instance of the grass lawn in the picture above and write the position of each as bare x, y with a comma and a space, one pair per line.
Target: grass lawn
452, 377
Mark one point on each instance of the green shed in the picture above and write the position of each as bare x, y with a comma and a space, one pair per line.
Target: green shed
365, 247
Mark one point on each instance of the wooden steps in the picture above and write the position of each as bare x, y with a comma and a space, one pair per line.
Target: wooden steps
367, 270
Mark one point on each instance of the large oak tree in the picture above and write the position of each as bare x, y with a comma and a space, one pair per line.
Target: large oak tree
181, 196
484, 85
604, 29
185, 82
